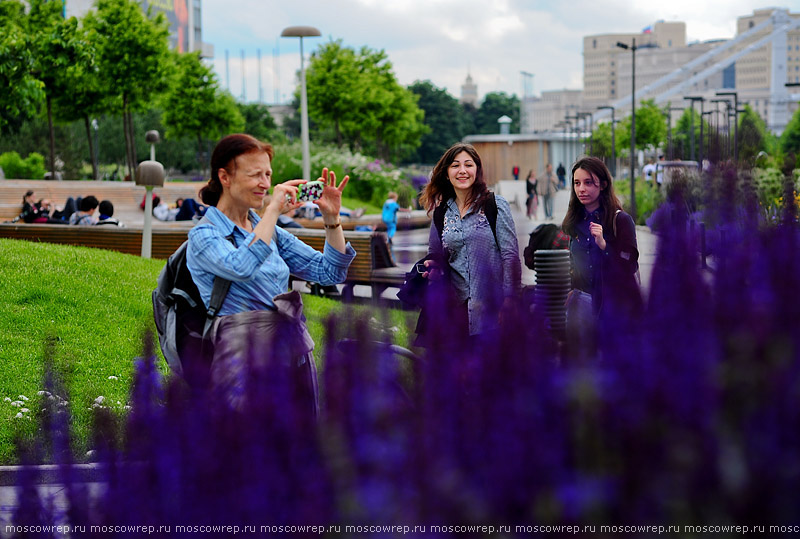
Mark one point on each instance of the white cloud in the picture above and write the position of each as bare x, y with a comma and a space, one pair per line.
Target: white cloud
439, 40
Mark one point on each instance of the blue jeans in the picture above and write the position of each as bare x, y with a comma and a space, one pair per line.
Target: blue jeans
548, 206
581, 327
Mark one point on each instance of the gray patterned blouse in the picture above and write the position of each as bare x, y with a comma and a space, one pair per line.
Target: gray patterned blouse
482, 273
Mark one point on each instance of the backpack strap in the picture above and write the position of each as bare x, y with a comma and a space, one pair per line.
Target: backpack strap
219, 291
489, 209
616, 213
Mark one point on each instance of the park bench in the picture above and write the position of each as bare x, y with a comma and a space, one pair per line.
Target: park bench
126, 196
124, 240
373, 265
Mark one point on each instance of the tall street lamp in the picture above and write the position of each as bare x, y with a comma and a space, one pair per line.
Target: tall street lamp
591, 128
691, 120
670, 153
735, 122
96, 152
613, 141
632, 48
727, 125
301, 32
574, 117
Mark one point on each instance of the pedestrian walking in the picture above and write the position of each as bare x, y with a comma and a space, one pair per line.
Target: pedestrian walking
547, 186
532, 203
389, 214
561, 172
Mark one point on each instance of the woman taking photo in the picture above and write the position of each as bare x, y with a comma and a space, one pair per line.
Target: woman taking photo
472, 240
234, 243
603, 251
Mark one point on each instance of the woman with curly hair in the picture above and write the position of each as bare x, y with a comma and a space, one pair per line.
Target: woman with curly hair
472, 241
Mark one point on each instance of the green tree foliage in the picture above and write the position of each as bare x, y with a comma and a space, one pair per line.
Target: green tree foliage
601, 141
682, 134
651, 127
259, 122
790, 139
133, 59
493, 106
447, 121
61, 56
752, 135
22, 93
30, 168
354, 98
196, 107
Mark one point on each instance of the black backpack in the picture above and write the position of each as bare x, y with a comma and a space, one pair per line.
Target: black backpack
489, 209
182, 321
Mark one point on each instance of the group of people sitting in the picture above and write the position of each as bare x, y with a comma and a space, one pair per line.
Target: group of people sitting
184, 209
81, 211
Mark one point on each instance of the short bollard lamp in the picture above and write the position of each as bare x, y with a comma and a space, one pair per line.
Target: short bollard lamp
150, 174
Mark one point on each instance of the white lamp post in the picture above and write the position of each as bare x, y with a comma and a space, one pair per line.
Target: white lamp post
301, 32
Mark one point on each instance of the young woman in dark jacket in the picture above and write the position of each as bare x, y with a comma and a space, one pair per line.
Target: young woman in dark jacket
603, 250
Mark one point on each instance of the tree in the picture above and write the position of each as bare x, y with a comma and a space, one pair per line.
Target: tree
752, 135
682, 133
651, 127
447, 121
133, 59
258, 121
335, 91
790, 139
601, 141
493, 106
196, 107
354, 97
22, 93
60, 54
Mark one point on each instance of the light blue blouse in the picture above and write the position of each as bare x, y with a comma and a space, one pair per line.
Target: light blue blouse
258, 272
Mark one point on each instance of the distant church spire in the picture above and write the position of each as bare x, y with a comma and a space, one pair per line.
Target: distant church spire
469, 91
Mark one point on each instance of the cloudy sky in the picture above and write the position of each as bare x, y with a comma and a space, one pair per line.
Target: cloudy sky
440, 40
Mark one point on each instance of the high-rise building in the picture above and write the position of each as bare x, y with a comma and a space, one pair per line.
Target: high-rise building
601, 58
469, 92
551, 108
759, 79
184, 16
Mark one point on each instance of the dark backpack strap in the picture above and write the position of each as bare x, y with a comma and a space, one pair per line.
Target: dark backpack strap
438, 218
490, 209
218, 293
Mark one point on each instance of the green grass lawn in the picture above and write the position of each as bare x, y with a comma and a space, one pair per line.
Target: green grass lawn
94, 306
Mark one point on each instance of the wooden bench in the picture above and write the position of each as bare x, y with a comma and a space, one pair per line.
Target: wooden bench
373, 265
126, 196
124, 240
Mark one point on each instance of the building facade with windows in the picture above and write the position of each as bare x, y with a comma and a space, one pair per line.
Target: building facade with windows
184, 17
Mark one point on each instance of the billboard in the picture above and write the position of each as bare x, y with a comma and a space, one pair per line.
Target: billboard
177, 13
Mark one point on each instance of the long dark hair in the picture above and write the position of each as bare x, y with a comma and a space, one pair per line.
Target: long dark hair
608, 200
224, 156
439, 189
